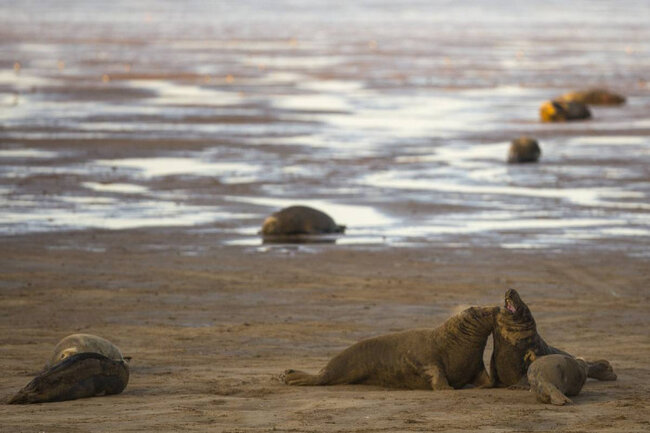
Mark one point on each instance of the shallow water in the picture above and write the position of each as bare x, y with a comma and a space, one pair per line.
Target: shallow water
395, 119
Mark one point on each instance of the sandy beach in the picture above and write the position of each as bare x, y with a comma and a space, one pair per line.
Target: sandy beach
210, 334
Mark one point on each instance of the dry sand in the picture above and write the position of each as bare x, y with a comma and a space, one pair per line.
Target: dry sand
210, 331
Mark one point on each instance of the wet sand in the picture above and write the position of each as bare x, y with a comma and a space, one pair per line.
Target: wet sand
210, 327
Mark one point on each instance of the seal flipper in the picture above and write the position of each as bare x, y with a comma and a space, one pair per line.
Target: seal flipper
437, 377
78, 376
300, 378
601, 370
546, 392
483, 380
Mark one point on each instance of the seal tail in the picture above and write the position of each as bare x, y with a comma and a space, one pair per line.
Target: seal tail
300, 378
340, 229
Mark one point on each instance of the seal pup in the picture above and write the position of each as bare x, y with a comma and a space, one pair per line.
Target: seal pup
523, 149
554, 377
79, 343
80, 375
291, 224
449, 356
563, 111
594, 97
517, 344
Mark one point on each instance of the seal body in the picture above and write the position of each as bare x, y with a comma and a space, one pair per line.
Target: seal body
594, 97
79, 343
563, 111
523, 149
77, 376
517, 344
450, 356
299, 220
554, 377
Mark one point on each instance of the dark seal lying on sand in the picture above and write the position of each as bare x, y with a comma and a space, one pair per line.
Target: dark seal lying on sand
449, 356
563, 111
77, 376
523, 149
517, 344
297, 223
554, 377
594, 97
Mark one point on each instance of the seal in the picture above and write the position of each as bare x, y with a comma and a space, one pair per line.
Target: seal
517, 344
594, 97
78, 376
79, 343
523, 149
554, 377
449, 356
563, 111
299, 220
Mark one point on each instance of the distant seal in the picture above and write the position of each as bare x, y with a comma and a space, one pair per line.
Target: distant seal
523, 149
79, 343
78, 376
594, 97
299, 220
554, 377
563, 111
449, 356
517, 344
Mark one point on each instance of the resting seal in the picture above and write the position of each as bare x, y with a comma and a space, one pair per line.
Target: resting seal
77, 376
449, 356
298, 220
563, 111
523, 149
79, 343
594, 97
553, 377
517, 344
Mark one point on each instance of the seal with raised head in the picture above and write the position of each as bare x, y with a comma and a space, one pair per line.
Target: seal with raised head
594, 97
517, 344
523, 149
449, 356
563, 111
299, 220
79, 343
80, 375
554, 377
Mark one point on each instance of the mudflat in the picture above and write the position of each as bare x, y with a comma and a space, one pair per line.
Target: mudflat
210, 328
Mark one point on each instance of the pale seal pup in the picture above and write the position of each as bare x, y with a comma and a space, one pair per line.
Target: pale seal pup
523, 149
449, 356
517, 344
554, 377
79, 343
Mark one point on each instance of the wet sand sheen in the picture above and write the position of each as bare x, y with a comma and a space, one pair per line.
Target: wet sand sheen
356, 118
